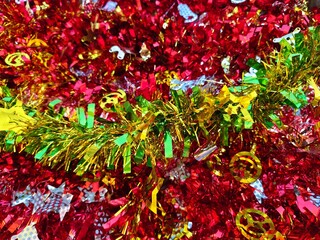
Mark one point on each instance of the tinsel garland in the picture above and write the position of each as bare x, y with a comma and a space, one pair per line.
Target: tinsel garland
150, 131
145, 145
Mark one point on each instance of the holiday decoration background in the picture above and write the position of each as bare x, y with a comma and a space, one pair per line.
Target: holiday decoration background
127, 120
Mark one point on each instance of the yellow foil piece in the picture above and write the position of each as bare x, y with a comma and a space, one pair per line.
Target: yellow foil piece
113, 98
90, 56
145, 52
186, 231
152, 179
242, 103
316, 92
153, 205
44, 57
239, 167
16, 59
37, 43
251, 226
15, 119
42, 7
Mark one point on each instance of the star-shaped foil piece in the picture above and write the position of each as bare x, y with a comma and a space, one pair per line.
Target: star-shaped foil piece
58, 202
237, 1
110, 6
88, 195
53, 204
65, 206
58, 191
25, 197
28, 233
39, 201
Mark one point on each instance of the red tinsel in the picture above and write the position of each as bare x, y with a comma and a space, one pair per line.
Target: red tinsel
78, 68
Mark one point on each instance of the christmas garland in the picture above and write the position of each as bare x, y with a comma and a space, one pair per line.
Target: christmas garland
147, 132
137, 141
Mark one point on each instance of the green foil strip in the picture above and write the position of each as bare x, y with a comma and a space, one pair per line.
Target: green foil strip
130, 113
112, 157
54, 151
139, 153
81, 117
6, 91
91, 152
168, 149
251, 80
186, 147
127, 159
276, 120
41, 153
238, 123
7, 99
90, 119
144, 104
10, 140
81, 167
54, 102
248, 125
122, 139
175, 96
149, 163
298, 99
224, 135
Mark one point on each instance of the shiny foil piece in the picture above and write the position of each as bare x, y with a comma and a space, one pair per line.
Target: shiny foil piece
245, 167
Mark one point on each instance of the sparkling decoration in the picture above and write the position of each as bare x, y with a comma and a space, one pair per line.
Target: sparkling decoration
101, 219
245, 167
145, 52
120, 53
186, 13
56, 201
179, 173
252, 227
17, 59
288, 37
88, 195
258, 192
237, 1
159, 119
225, 63
110, 6
28, 233
176, 84
23, 197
